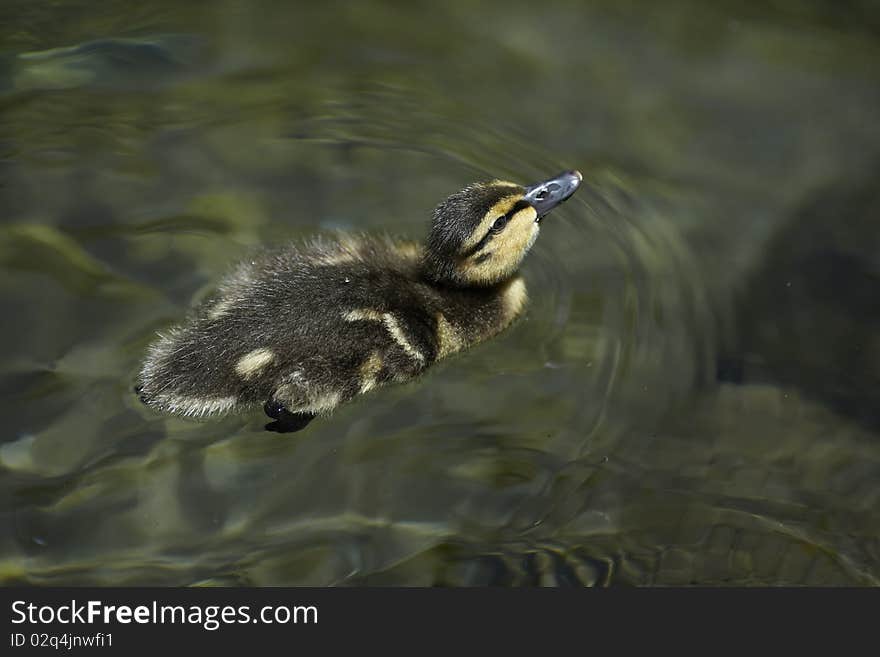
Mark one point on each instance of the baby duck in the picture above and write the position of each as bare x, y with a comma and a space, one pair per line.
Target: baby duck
303, 329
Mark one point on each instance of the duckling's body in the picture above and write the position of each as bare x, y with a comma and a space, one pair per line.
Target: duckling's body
305, 328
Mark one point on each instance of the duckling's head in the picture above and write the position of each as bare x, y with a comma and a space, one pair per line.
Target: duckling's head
480, 235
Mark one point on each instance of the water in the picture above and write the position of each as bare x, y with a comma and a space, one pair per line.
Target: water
692, 396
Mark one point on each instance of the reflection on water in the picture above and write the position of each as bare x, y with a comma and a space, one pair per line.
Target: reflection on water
691, 398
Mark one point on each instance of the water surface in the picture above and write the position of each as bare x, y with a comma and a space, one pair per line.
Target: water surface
692, 396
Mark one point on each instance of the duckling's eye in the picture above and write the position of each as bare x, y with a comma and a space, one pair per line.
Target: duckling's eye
499, 223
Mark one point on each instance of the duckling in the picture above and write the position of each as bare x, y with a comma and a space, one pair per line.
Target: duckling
305, 328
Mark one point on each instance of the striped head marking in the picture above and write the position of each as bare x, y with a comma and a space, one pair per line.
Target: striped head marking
480, 235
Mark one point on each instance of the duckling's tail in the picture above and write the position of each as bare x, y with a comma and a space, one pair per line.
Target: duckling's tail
179, 379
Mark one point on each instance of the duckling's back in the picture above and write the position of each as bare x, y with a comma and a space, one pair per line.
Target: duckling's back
310, 327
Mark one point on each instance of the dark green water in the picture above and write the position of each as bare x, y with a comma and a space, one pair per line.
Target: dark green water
692, 397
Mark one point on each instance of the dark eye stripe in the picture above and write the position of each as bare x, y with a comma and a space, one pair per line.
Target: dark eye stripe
479, 245
519, 205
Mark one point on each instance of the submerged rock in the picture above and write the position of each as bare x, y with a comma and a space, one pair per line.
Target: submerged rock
810, 314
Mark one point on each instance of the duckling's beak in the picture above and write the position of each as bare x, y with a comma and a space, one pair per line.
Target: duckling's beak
544, 196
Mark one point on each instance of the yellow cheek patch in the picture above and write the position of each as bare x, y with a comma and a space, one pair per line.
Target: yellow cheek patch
500, 208
505, 250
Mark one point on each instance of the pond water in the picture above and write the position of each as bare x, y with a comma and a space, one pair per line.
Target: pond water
693, 395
